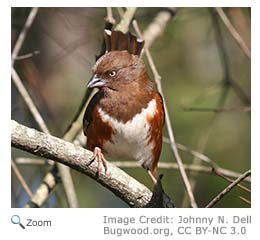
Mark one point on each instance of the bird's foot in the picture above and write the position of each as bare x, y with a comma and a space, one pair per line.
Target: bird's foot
152, 176
100, 158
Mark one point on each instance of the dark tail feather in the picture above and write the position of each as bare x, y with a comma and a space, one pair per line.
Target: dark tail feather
116, 40
136, 45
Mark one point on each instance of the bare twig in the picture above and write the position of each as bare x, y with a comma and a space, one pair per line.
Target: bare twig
233, 32
228, 81
20, 86
127, 188
188, 167
161, 165
30, 161
241, 22
51, 180
218, 109
240, 92
109, 18
220, 174
120, 11
64, 171
213, 165
202, 142
28, 55
232, 174
21, 179
196, 154
126, 20
26, 97
158, 25
157, 79
47, 185
245, 200
228, 189
23, 33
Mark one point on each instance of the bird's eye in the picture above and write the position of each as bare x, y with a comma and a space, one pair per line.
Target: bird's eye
112, 73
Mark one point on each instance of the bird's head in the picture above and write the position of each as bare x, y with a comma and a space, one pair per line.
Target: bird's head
117, 69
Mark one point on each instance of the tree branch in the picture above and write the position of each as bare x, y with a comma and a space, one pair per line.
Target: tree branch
227, 79
245, 200
158, 25
126, 20
233, 32
28, 100
28, 55
228, 189
188, 167
218, 109
65, 173
22, 35
218, 173
47, 185
21, 179
162, 165
125, 187
109, 18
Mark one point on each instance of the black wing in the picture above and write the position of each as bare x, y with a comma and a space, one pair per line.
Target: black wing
87, 119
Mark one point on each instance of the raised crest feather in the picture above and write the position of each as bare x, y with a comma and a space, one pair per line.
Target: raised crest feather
118, 41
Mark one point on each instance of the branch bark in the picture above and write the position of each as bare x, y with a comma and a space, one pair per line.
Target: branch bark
65, 173
41, 195
121, 184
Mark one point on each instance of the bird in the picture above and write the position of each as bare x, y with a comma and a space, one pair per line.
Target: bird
124, 120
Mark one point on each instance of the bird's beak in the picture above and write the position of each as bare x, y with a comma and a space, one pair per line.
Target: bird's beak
96, 82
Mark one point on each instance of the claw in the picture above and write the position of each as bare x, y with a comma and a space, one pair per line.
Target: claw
154, 180
100, 158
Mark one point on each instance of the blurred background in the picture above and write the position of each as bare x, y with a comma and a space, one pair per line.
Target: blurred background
205, 79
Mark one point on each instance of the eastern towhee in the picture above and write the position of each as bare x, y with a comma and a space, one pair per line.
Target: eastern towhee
124, 119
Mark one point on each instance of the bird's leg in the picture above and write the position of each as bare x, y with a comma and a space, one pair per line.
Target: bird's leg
100, 158
152, 176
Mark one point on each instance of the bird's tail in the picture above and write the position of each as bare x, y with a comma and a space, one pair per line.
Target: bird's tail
116, 40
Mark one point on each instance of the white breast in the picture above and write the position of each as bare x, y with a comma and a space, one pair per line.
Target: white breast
130, 140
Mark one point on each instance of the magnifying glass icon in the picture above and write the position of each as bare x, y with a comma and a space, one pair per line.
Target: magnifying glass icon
15, 219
